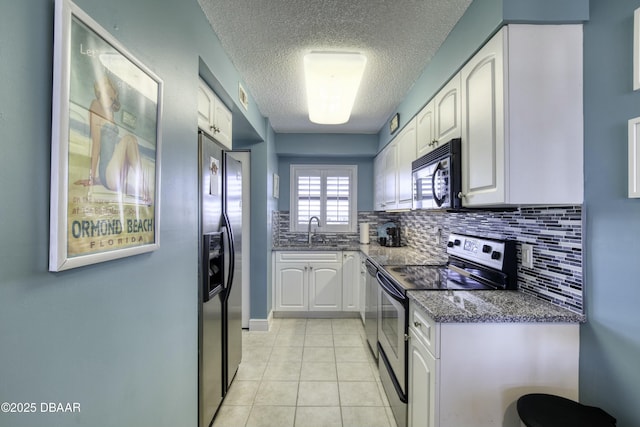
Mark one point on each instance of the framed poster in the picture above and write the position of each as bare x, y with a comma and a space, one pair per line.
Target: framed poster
105, 154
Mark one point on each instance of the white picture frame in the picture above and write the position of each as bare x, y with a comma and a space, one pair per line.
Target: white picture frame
636, 49
105, 146
634, 158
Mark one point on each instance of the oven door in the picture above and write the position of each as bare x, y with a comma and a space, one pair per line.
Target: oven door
392, 329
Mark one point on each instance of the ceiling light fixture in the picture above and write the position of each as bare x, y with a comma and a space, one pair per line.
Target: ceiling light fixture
332, 81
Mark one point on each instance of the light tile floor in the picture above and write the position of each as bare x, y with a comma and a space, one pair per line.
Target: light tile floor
306, 373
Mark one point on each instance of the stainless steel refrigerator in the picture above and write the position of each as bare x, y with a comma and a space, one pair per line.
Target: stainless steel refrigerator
220, 275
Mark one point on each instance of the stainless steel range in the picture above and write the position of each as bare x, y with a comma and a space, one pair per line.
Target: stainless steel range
474, 264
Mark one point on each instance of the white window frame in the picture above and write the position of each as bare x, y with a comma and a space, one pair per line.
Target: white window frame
324, 171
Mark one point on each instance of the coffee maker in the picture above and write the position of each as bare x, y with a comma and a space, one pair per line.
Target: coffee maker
393, 236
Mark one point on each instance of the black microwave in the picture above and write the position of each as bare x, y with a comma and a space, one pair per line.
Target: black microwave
437, 178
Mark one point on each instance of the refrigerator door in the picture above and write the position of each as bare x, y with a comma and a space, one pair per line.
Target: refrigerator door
211, 185
211, 377
233, 291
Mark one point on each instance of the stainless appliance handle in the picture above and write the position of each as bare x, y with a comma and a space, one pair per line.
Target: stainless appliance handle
371, 268
459, 270
232, 261
389, 289
438, 201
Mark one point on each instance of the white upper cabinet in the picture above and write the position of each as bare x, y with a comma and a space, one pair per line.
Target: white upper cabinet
406, 154
378, 182
392, 171
439, 121
213, 116
522, 123
390, 176
426, 129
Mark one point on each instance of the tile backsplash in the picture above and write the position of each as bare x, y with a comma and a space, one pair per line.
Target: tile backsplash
554, 232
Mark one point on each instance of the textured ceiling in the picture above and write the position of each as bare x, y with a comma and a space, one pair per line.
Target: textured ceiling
267, 39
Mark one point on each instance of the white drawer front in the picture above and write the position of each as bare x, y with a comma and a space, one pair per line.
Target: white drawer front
309, 256
426, 329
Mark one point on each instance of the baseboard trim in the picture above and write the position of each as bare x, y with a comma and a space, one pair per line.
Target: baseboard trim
261, 325
316, 314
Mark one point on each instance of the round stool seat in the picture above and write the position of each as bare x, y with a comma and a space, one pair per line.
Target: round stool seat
546, 410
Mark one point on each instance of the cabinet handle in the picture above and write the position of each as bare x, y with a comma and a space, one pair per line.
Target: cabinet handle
417, 324
216, 129
461, 196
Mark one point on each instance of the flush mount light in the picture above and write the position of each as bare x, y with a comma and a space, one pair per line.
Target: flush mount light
332, 80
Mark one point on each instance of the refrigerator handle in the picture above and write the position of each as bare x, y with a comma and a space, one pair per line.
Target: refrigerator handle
232, 260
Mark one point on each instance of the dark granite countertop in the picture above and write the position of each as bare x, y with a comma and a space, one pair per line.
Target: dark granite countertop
403, 255
490, 306
315, 248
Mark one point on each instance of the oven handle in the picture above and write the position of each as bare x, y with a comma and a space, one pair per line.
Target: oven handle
389, 289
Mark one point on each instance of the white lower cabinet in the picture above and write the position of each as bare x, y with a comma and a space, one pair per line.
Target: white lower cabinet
363, 285
472, 374
325, 286
292, 290
422, 384
350, 281
317, 281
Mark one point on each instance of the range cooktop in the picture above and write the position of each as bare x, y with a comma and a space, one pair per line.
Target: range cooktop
474, 264
421, 277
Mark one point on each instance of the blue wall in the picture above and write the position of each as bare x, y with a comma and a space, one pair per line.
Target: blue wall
118, 337
121, 337
342, 149
610, 340
365, 177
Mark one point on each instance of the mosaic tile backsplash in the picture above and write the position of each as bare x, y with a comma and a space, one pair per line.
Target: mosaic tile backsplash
554, 232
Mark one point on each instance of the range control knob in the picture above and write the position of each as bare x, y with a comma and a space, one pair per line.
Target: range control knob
449, 244
486, 249
495, 255
457, 242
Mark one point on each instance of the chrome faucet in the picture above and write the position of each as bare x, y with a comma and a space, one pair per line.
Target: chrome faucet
309, 228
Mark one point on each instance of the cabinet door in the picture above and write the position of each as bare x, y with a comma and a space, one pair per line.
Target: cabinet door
425, 130
223, 124
447, 112
205, 108
350, 281
483, 139
422, 384
378, 182
406, 143
390, 176
325, 286
291, 286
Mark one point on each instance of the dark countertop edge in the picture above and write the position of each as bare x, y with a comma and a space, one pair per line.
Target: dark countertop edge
315, 248
564, 315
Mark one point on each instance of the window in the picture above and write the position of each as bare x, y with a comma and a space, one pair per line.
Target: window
328, 192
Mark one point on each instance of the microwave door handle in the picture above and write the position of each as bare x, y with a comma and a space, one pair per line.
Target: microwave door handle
438, 201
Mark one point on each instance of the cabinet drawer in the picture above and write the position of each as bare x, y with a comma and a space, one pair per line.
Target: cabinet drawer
308, 256
426, 329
